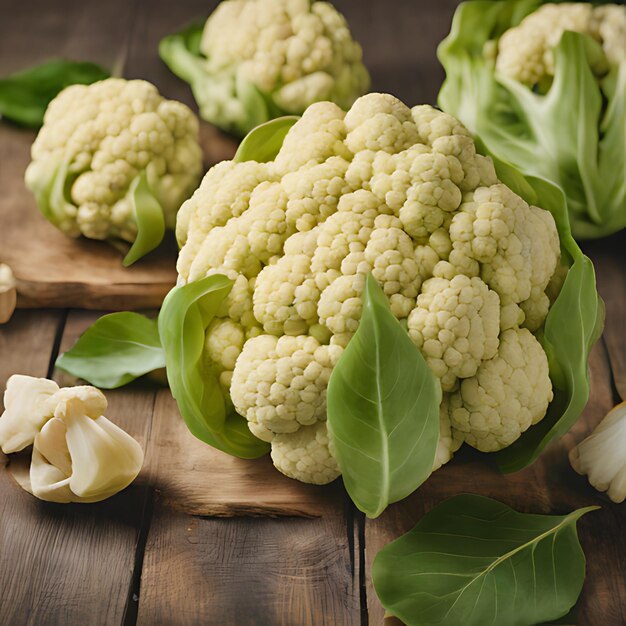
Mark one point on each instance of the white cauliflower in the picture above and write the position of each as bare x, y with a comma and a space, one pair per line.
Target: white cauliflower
259, 59
400, 193
96, 140
525, 52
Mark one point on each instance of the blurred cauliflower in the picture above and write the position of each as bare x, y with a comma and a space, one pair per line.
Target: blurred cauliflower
97, 141
258, 59
543, 84
400, 193
525, 52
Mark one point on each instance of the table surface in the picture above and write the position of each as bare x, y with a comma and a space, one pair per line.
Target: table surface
135, 558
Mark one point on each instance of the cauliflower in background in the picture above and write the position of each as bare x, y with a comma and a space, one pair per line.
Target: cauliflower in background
543, 85
401, 193
258, 59
96, 141
525, 52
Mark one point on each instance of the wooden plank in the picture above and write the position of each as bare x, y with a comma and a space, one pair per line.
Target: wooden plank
609, 258
181, 464
550, 485
67, 564
244, 572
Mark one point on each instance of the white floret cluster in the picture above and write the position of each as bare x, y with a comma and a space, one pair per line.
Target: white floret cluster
298, 51
525, 52
400, 193
104, 135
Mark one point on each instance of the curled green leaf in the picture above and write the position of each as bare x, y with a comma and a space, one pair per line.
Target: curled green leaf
475, 561
186, 312
383, 409
572, 326
25, 95
149, 218
115, 350
264, 142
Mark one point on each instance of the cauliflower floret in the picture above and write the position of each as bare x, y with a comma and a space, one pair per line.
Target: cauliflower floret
296, 52
456, 325
223, 344
95, 140
401, 193
306, 455
509, 393
279, 384
514, 248
525, 52
450, 440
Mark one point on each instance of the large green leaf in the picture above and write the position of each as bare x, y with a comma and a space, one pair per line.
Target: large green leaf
572, 326
383, 409
475, 561
149, 218
24, 96
186, 312
263, 143
115, 350
566, 134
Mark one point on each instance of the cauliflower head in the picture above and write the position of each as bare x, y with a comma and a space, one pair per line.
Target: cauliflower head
525, 51
403, 194
258, 59
96, 141
543, 84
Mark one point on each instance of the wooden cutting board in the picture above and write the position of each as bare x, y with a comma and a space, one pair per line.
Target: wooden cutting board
53, 270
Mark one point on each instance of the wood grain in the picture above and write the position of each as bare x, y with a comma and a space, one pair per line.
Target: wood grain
248, 572
610, 256
193, 477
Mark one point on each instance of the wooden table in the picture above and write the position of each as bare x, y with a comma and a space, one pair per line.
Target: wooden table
137, 558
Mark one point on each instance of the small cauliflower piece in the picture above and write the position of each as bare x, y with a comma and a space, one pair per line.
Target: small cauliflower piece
96, 140
306, 455
602, 455
79, 455
8, 293
27, 408
509, 393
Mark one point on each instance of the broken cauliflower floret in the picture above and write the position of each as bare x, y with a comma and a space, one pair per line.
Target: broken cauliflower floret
78, 454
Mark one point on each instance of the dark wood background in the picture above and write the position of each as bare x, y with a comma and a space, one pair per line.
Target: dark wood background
137, 559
